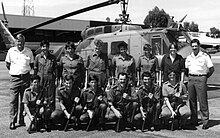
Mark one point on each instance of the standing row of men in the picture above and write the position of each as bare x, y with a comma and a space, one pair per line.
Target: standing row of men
122, 97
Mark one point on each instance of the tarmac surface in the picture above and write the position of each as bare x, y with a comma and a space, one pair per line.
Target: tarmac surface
212, 132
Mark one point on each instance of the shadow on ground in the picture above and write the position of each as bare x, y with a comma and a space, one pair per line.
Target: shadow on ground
213, 123
212, 87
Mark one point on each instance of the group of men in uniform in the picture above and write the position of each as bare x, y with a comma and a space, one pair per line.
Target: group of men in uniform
99, 101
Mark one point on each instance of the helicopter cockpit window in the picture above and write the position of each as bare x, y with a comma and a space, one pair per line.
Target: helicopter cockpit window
90, 32
84, 44
84, 48
108, 29
114, 47
98, 30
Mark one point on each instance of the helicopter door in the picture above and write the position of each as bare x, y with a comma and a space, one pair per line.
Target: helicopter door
104, 49
156, 45
135, 46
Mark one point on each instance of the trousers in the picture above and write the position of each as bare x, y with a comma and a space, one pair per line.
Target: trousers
17, 87
197, 87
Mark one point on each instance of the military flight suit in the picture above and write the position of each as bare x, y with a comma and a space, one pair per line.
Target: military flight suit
94, 101
146, 64
98, 65
127, 107
46, 67
74, 67
126, 65
151, 106
67, 99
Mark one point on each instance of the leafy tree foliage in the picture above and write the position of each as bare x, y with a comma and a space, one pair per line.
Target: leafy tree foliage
156, 18
186, 25
214, 32
193, 27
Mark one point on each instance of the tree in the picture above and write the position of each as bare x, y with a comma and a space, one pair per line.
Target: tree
214, 32
193, 27
156, 18
186, 26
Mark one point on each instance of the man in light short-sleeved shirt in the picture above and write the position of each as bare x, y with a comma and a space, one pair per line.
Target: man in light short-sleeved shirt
19, 61
200, 69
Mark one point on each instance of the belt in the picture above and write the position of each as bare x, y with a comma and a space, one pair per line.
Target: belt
21, 75
197, 75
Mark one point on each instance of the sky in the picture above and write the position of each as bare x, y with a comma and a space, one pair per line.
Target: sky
205, 13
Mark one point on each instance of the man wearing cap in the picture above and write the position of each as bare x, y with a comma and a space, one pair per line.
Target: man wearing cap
45, 66
97, 63
124, 63
19, 61
200, 69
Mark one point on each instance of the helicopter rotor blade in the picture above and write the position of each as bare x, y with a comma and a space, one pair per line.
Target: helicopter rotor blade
183, 19
3, 10
103, 4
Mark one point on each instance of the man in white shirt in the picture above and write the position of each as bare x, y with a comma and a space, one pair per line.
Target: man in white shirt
200, 69
19, 61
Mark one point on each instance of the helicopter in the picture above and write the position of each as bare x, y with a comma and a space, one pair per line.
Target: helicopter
8, 40
159, 38
136, 37
112, 35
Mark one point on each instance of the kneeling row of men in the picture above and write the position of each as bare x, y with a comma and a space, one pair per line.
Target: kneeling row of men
122, 102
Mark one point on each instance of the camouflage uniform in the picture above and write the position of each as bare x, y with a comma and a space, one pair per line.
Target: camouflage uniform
152, 107
146, 64
73, 67
67, 100
90, 101
126, 107
97, 64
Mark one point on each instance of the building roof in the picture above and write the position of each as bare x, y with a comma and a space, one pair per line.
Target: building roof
19, 21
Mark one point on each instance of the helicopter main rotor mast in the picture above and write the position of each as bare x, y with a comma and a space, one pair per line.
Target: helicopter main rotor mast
103, 4
124, 17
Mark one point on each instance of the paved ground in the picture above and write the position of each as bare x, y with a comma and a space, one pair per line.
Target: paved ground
212, 132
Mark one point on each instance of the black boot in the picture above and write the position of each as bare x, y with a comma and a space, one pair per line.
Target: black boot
48, 125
